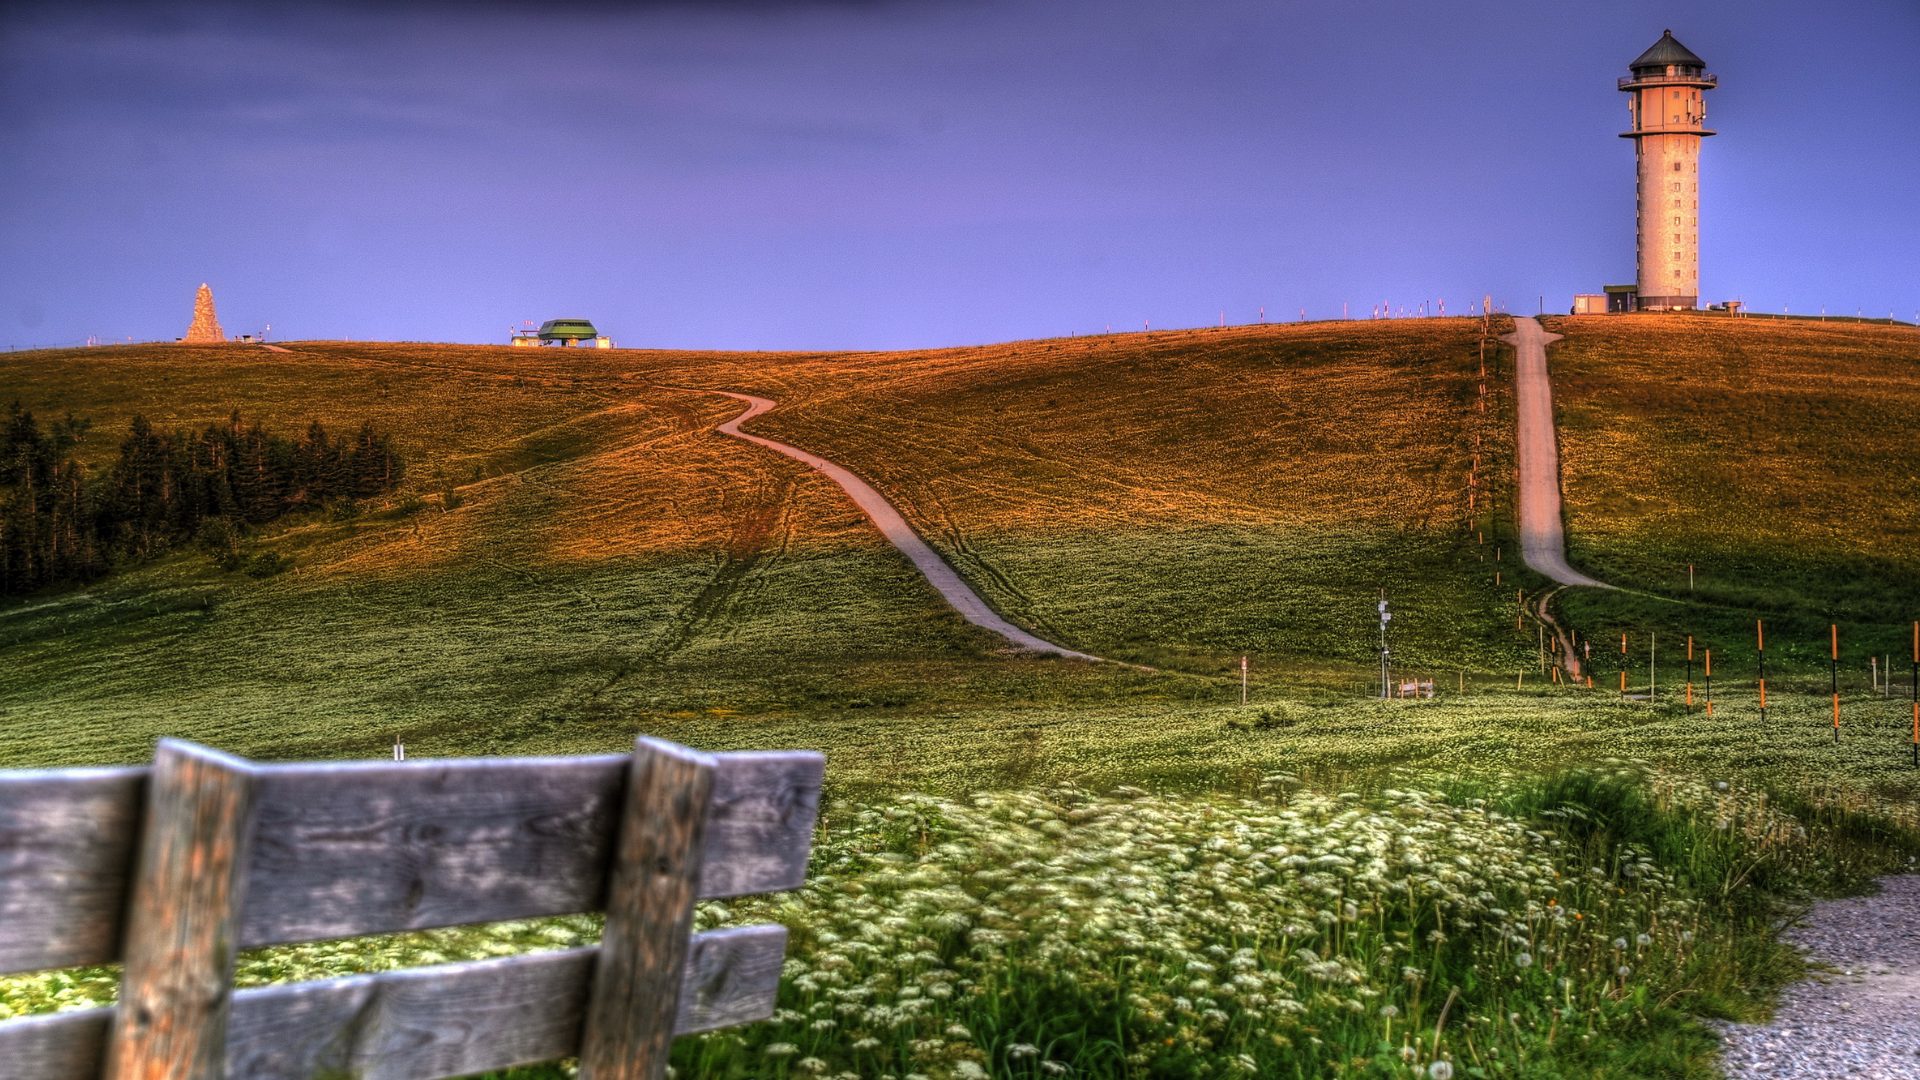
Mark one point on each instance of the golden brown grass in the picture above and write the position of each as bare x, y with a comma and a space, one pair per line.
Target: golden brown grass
1790, 434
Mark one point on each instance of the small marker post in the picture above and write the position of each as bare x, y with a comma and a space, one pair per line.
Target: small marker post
1914, 674
1709, 682
1243, 680
1833, 673
1623, 667
1689, 672
1760, 638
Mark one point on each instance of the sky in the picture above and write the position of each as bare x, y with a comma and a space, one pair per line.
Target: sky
861, 175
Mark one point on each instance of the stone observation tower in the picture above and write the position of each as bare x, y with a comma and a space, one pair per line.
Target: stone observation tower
206, 328
1669, 115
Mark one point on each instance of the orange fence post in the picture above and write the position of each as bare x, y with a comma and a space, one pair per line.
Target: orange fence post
1833, 669
1760, 635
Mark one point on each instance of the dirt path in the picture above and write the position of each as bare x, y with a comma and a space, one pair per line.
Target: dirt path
895, 528
1862, 1018
1568, 656
1543, 540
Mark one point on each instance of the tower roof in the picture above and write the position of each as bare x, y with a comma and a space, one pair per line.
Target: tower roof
1667, 50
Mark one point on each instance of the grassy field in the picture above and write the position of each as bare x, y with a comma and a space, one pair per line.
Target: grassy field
1778, 457
611, 565
577, 557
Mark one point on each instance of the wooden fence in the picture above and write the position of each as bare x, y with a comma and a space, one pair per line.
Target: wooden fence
171, 869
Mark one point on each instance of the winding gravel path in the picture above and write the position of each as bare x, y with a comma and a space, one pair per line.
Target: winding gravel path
1543, 539
895, 528
1863, 1019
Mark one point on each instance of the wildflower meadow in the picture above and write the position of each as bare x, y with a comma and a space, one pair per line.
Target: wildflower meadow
1510, 925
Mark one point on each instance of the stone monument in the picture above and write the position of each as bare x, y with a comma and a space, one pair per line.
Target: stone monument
206, 328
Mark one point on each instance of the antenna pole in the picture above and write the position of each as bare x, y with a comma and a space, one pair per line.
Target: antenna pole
1385, 617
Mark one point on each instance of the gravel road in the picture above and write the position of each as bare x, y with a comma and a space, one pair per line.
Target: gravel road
1862, 1019
1543, 539
895, 528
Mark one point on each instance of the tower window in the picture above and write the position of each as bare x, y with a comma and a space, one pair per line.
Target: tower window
1676, 166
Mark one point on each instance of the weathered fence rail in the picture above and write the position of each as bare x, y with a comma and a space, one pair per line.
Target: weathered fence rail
171, 869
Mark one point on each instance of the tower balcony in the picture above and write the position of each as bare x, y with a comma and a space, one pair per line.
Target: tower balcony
1700, 79
1669, 129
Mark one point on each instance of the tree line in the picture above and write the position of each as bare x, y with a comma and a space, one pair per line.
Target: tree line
60, 525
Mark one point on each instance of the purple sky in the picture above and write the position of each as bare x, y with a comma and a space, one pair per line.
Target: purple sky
870, 175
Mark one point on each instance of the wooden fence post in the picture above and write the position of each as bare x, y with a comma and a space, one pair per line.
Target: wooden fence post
651, 890
183, 918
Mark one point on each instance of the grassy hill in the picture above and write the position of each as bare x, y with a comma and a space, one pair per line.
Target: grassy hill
576, 556
1776, 456
1171, 498
608, 563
